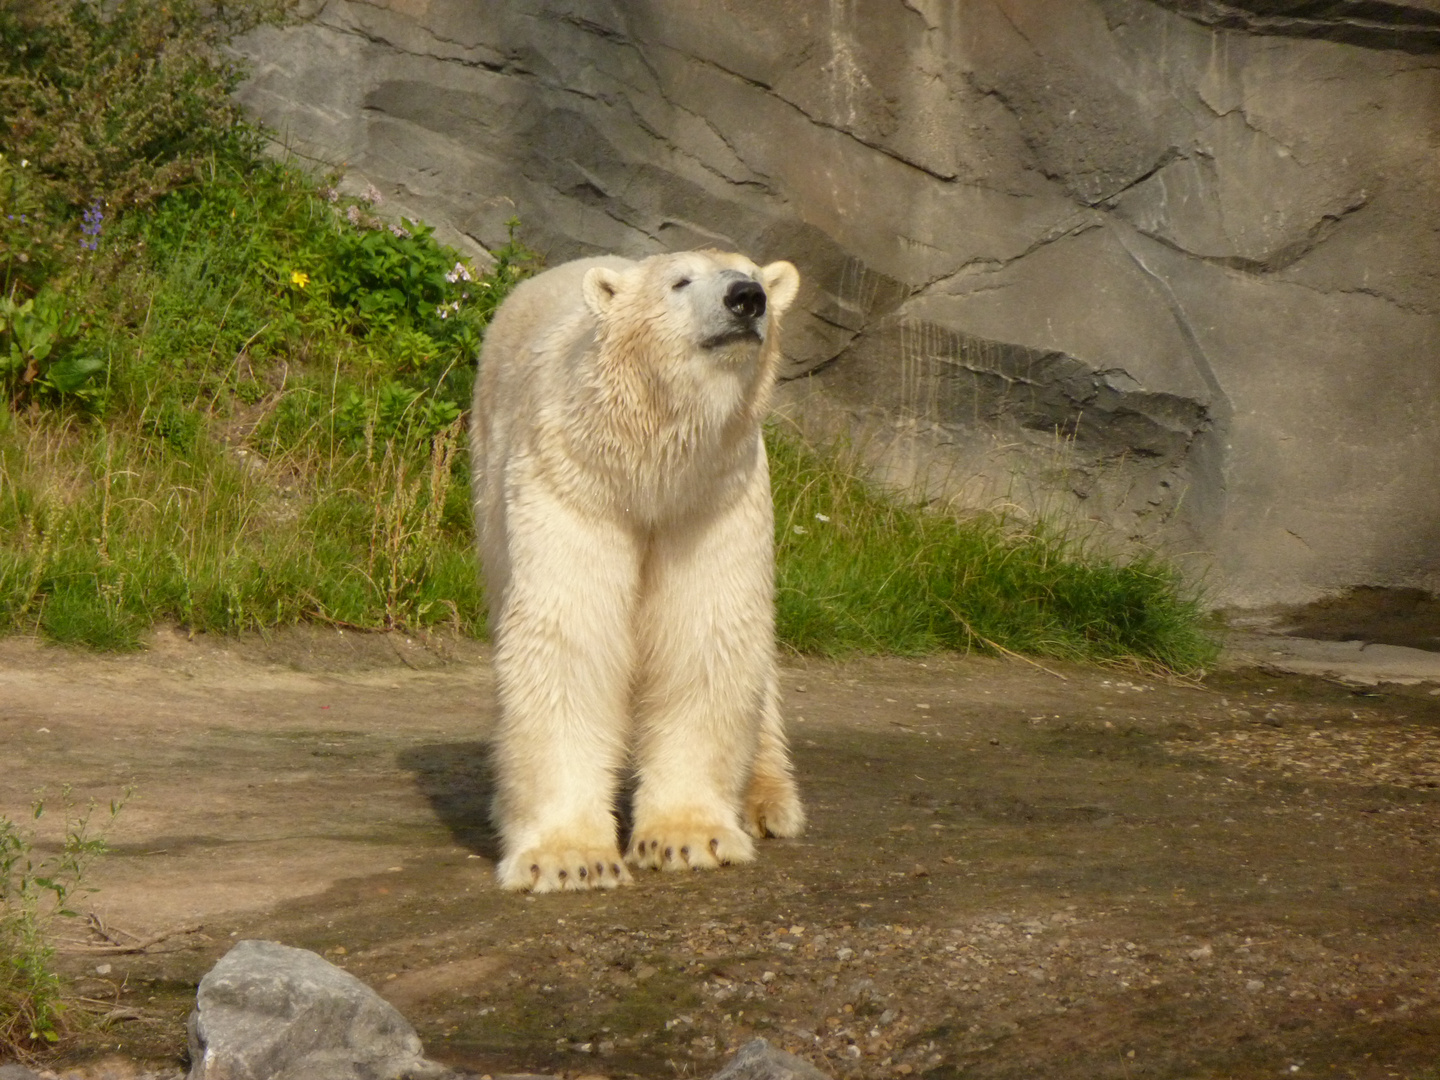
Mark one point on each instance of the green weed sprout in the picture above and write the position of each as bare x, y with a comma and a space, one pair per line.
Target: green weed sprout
35, 891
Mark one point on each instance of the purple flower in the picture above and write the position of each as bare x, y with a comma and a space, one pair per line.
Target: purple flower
93, 221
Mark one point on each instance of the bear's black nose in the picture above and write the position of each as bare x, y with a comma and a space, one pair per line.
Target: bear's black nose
746, 298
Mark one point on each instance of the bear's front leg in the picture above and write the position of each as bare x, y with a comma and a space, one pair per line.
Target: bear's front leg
705, 632
564, 654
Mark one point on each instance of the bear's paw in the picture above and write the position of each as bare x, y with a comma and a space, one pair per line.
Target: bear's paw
560, 868
686, 843
773, 807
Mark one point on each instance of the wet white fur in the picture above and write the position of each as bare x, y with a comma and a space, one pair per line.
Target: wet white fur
623, 502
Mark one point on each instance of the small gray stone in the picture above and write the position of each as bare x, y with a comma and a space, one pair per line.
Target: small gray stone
270, 1012
758, 1060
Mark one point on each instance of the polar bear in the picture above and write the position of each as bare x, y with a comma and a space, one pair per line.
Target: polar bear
622, 500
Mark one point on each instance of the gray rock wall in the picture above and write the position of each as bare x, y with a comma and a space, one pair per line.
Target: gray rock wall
1168, 266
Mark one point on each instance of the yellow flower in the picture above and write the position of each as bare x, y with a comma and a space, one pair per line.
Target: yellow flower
299, 278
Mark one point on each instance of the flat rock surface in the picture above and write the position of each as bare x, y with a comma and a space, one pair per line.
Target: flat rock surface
1012, 871
1361, 663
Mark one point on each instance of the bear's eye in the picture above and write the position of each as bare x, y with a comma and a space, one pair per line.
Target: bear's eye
681, 283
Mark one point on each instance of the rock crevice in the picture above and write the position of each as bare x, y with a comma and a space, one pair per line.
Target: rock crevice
1374, 24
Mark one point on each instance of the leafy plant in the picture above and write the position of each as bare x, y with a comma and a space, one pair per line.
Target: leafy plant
389, 276
35, 891
37, 338
394, 411
514, 262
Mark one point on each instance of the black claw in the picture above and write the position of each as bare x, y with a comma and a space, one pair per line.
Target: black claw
615, 869
584, 873
685, 852
669, 854
562, 875
600, 869
715, 847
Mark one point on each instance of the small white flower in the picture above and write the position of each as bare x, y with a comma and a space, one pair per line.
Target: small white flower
800, 530
822, 517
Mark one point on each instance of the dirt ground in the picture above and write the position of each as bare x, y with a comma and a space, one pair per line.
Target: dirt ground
1011, 872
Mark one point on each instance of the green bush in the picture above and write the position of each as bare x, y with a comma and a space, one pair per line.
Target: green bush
34, 238
121, 102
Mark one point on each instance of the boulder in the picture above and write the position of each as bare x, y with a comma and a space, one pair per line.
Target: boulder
270, 1012
758, 1060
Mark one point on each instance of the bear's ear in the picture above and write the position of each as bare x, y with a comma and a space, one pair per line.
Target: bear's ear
600, 286
782, 282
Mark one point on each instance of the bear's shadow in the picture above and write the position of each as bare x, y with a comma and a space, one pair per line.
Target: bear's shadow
458, 780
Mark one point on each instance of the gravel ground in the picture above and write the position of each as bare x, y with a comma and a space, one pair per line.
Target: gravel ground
1010, 873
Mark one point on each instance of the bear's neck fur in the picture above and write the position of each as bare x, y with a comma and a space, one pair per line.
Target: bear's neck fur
653, 416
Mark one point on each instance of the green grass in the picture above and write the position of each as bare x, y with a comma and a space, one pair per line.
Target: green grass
108, 532
262, 453
859, 570
256, 448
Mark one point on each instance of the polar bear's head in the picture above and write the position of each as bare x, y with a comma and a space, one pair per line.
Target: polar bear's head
709, 301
